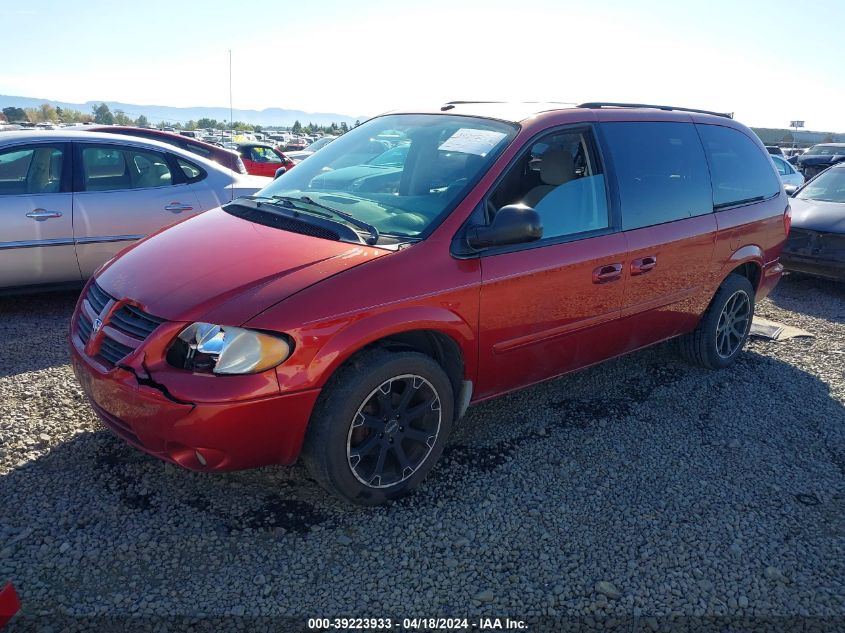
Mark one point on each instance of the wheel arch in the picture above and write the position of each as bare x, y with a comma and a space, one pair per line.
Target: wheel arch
747, 262
435, 332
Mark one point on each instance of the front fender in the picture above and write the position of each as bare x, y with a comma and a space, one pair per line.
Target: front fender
340, 340
370, 329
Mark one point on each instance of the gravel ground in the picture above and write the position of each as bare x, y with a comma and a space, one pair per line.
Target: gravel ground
629, 496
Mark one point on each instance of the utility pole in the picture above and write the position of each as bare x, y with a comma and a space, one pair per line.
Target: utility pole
231, 120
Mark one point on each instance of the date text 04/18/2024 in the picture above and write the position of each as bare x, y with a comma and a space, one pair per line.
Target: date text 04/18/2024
418, 624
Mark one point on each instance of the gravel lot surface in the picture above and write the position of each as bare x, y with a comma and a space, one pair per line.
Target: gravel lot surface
620, 497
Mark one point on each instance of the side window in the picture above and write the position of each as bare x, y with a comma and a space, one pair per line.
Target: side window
561, 178
661, 171
738, 167
112, 167
31, 170
197, 149
263, 155
782, 166
191, 172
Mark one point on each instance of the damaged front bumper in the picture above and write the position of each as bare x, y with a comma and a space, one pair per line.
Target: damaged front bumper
815, 253
201, 422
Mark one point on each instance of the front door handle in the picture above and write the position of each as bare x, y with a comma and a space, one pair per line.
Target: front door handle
608, 272
39, 215
643, 264
178, 207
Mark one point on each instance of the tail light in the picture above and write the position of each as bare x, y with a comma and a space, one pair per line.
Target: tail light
787, 219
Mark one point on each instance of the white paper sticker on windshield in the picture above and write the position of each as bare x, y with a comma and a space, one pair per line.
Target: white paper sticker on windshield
470, 141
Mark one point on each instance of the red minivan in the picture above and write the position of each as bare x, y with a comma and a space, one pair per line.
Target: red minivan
353, 309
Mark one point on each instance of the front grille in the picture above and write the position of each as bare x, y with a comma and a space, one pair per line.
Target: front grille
84, 327
112, 351
807, 242
799, 238
129, 320
134, 322
97, 297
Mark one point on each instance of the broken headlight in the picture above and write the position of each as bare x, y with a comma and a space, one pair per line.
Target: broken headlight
223, 349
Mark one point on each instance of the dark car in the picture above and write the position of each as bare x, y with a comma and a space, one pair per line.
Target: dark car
816, 243
820, 157
219, 155
515, 243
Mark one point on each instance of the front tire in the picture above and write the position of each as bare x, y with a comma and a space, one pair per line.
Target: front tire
723, 330
379, 426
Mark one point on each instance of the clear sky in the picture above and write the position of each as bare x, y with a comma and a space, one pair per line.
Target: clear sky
769, 61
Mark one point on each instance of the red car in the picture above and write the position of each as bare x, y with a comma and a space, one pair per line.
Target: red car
224, 157
262, 159
353, 309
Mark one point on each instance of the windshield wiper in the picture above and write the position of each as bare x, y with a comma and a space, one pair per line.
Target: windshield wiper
366, 226
285, 207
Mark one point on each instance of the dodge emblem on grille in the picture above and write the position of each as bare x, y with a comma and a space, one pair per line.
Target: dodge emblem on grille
98, 323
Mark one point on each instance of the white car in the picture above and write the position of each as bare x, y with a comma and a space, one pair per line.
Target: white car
69, 201
789, 176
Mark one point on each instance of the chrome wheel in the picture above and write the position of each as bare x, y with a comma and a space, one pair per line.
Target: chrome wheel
734, 322
393, 431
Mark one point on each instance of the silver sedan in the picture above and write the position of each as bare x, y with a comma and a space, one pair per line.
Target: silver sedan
69, 201
789, 176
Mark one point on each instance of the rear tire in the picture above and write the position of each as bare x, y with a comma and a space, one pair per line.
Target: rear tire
723, 330
379, 426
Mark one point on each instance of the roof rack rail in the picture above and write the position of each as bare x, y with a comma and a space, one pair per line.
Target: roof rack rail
465, 102
451, 104
602, 104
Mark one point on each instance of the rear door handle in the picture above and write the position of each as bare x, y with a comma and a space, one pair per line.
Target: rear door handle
643, 264
608, 272
39, 215
178, 207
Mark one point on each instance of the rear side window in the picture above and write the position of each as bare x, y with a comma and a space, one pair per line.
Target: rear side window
661, 172
782, 166
197, 149
740, 171
31, 170
111, 167
191, 172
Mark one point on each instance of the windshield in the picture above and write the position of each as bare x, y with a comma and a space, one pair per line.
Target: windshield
399, 173
320, 142
829, 186
825, 150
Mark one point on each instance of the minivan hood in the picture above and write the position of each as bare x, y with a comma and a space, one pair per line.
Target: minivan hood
818, 215
222, 269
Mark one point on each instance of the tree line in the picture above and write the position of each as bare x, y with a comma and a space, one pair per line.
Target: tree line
102, 115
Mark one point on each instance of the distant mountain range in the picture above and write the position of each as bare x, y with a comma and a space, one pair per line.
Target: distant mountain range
156, 113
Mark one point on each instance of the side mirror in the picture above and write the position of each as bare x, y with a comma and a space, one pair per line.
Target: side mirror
279, 172
512, 224
790, 189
